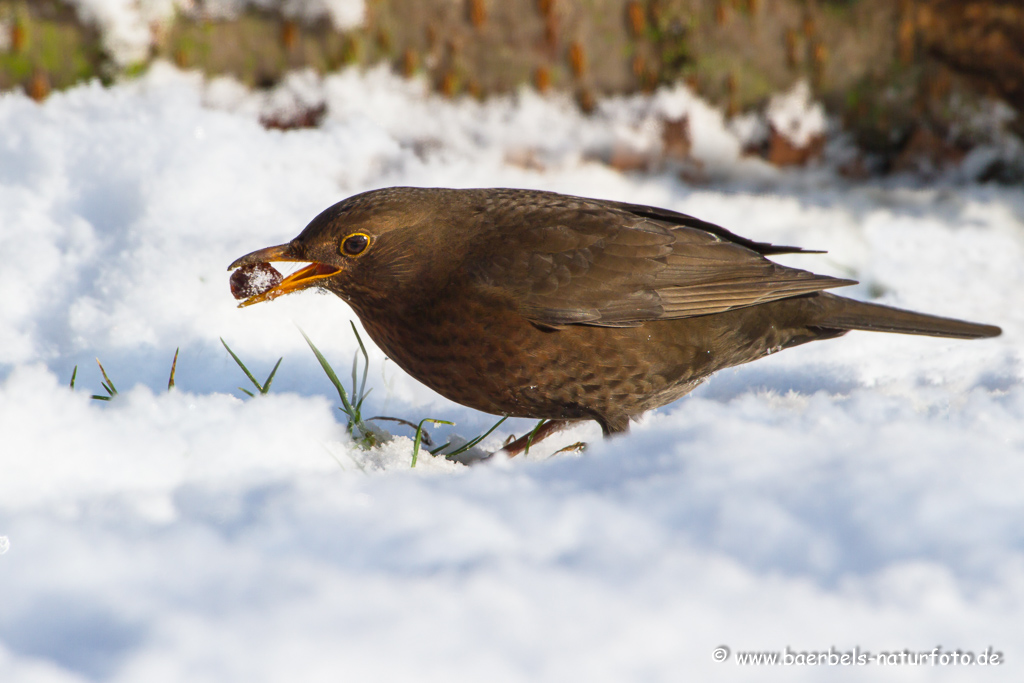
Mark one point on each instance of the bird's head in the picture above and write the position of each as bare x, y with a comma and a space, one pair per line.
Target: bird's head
370, 247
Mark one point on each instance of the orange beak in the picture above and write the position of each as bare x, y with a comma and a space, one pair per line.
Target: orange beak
305, 278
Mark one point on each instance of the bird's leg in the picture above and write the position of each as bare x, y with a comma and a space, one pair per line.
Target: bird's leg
534, 437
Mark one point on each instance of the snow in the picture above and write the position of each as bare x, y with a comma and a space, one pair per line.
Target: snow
126, 26
794, 115
862, 492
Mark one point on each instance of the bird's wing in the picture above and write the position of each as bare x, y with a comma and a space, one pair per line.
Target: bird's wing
602, 264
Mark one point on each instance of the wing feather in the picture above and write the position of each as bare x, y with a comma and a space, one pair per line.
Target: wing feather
569, 260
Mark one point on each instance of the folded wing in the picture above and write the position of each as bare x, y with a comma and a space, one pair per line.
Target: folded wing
577, 261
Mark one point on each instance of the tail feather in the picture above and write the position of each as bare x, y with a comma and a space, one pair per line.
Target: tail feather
848, 314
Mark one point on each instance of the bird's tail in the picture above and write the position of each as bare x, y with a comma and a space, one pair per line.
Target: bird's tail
847, 314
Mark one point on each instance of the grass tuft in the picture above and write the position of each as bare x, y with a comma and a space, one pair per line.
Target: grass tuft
107, 385
352, 404
364, 435
262, 388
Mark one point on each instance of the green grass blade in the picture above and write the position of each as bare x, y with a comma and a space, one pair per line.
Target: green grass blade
472, 443
419, 436
242, 365
74, 374
174, 367
362, 398
426, 436
270, 377
355, 388
109, 386
100, 398
366, 365
348, 410
247, 392
529, 440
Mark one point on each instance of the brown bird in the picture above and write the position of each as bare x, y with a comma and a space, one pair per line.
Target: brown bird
541, 305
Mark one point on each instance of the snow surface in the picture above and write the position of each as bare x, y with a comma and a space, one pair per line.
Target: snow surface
862, 492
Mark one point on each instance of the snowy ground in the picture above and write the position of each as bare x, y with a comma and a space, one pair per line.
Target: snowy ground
864, 492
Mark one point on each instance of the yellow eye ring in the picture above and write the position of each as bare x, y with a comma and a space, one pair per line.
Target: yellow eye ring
355, 244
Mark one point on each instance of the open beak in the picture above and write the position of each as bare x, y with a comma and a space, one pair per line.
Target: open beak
310, 276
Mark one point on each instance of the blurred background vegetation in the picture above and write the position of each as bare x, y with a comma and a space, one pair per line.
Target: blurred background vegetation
912, 81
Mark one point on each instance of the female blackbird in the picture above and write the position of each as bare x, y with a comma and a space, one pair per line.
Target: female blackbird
542, 305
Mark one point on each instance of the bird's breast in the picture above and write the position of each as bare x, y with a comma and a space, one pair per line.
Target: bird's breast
481, 352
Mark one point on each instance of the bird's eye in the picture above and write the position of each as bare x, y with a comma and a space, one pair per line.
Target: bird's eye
355, 244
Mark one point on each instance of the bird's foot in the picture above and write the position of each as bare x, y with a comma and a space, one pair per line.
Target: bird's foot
514, 447
577, 447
